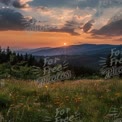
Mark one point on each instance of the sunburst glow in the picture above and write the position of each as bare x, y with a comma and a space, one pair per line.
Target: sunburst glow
65, 44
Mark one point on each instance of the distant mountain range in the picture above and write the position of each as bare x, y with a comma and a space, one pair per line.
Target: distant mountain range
87, 55
83, 49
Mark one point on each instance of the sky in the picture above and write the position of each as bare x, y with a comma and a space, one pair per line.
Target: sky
51, 23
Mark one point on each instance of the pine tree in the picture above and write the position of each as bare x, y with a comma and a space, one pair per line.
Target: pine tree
26, 57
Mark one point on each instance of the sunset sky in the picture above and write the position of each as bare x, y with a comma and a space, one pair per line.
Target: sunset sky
51, 23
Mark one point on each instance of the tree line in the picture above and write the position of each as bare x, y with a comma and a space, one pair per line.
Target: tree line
16, 65
8, 56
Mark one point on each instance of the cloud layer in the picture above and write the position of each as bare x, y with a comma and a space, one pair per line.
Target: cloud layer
74, 17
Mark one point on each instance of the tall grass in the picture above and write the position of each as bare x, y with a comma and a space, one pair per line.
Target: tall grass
24, 101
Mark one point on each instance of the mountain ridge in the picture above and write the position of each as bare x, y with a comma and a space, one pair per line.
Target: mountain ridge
81, 49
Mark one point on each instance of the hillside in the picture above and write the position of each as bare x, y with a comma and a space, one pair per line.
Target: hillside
87, 55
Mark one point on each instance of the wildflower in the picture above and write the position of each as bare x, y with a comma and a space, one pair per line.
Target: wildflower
78, 99
67, 98
46, 86
117, 94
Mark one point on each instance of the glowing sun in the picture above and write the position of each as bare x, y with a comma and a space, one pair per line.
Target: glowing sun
65, 44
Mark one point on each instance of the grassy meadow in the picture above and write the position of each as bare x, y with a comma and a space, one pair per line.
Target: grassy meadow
27, 101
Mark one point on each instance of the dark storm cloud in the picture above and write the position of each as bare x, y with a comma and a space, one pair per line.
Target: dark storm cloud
11, 20
111, 29
69, 27
114, 26
88, 26
16, 3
